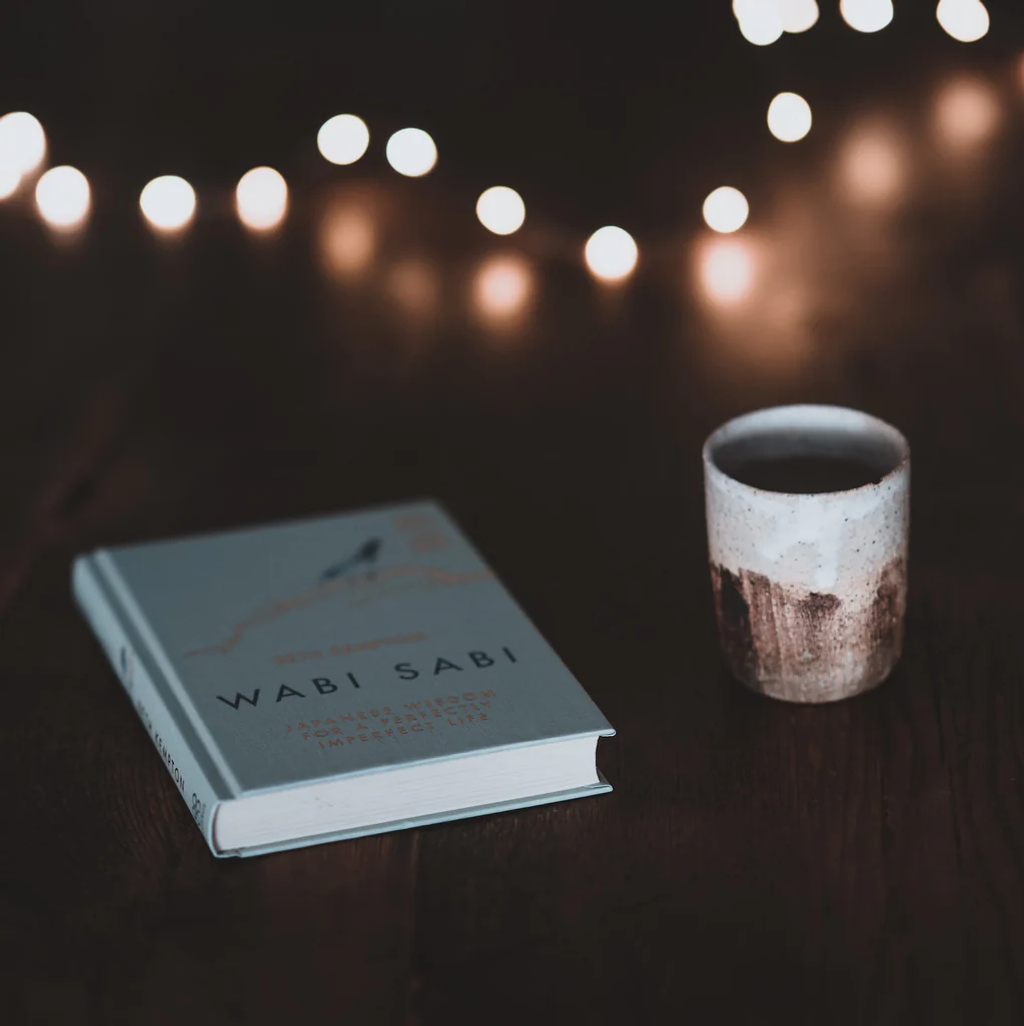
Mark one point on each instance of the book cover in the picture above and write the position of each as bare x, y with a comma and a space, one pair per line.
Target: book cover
271, 657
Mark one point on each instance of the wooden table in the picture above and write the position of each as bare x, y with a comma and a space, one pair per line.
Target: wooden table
757, 862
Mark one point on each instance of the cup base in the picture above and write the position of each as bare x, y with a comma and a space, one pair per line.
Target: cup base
810, 647
813, 693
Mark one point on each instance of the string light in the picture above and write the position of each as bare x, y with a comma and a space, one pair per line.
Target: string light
798, 15
168, 202
22, 142
760, 20
873, 167
966, 113
789, 117
726, 209
348, 240
726, 270
261, 198
502, 288
413, 284
964, 20
62, 197
343, 139
866, 15
501, 210
611, 254
411, 152
10, 179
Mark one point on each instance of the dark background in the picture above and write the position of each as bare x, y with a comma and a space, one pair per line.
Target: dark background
756, 862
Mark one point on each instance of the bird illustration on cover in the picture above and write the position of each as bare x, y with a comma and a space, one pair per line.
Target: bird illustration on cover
366, 553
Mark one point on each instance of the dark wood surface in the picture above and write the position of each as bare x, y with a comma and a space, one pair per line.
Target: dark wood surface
756, 862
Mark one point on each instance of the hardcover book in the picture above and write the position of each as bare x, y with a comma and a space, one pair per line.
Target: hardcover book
328, 678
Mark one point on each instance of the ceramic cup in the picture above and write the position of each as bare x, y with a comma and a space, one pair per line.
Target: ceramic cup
810, 589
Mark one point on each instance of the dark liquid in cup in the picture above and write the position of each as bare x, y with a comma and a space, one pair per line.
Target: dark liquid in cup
804, 475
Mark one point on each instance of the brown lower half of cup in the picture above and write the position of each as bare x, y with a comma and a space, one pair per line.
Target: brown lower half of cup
810, 646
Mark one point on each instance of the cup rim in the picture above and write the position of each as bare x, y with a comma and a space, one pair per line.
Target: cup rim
839, 414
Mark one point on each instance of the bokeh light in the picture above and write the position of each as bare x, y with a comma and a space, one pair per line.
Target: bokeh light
964, 20
168, 202
10, 179
62, 197
967, 113
22, 142
798, 15
348, 240
760, 20
726, 209
411, 152
873, 166
343, 139
611, 253
866, 15
413, 284
261, 198
503, 288
726, 270
789, 117
501, 210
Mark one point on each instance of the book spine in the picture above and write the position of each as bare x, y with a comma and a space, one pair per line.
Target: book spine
156, 706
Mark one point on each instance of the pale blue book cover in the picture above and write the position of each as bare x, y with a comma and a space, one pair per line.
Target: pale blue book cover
269, 657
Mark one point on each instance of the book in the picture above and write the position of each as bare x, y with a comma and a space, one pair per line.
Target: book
328, 678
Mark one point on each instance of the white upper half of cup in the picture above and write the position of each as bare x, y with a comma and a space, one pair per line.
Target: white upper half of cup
833, 542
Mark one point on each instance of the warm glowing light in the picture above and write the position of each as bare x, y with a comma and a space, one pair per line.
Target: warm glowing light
413, 285
798, 15
502, 288
348, 240
22, 142
726, 209
964, 20
760, 20
966, 113
411, 152
343, 139
866, 15
261, 198
501, 210
611, 253
168, 202
62, 196
726, 270
789, 117
873, 167
10, 179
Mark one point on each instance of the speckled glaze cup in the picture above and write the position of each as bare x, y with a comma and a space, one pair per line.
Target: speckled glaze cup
810, 589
